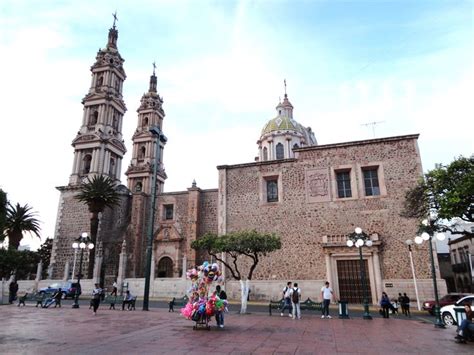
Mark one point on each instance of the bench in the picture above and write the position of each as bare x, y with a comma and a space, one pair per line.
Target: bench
177, 302
112, 300
306, 305
39, 298
131, 303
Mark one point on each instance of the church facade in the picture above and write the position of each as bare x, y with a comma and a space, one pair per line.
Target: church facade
312, 196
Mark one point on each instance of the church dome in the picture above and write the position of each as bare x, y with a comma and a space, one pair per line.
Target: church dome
282, 134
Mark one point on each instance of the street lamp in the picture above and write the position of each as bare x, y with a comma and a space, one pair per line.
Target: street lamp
160, 138
81, 243
425, 236
358, 239
409, 243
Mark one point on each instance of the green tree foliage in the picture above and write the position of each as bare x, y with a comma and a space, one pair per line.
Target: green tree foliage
3, 213
44, 253
447, 193
250, 244
97, 193
20, 219
22, 263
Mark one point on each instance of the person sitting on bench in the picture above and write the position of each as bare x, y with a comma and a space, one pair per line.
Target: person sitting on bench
466, 327
127, 300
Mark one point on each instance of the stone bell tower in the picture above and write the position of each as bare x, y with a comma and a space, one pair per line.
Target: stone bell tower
140, 172
99, 147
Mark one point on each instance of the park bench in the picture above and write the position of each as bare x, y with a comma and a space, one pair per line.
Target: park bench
37, 297
130, 304
306, 305
112, 300
177, 302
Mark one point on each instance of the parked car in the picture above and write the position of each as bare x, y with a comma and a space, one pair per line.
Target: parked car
448, 313
450, 298
68, 289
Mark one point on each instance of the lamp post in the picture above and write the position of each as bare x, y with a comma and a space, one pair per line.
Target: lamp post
425, 236
358, 239
160, 138
409, 243
82, 243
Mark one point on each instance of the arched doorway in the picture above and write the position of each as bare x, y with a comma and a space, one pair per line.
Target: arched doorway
164, 268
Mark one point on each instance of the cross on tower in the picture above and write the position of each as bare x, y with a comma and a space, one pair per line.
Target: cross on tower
115, 17
284, 81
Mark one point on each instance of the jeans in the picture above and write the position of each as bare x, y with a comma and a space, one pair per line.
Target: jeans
220, 317
385, 309
466, 327
296, 310
286, 305
326, 307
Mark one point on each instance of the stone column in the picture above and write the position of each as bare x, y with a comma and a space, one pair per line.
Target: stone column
39, 270
66, 271
184, 268
98, 263
152, 271
378, 275
122, 266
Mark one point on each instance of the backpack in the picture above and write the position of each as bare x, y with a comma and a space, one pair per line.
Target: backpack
295, 297
287, 292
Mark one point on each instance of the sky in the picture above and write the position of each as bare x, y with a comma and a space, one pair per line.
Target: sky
406, 65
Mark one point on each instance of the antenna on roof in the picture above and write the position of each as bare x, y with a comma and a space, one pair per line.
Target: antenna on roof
373, 124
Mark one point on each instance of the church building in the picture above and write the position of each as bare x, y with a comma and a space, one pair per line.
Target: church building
312, 196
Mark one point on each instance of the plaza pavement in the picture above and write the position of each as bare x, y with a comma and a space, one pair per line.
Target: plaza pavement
30, 330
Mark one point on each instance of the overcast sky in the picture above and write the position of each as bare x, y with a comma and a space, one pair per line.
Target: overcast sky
407, 65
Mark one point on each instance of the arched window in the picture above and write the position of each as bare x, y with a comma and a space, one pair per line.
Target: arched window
100, 80
265, 154
94, 118
86, 164
295, 146
115, 122
165, 267
142, 152
280, 151
112, 168
138, 187
145, 122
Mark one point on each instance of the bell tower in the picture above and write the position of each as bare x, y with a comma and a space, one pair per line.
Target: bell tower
150, 114
99, 147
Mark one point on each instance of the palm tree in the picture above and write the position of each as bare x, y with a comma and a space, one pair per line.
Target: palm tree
20, 219
98, 193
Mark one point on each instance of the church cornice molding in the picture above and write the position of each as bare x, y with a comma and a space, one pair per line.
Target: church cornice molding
96, 98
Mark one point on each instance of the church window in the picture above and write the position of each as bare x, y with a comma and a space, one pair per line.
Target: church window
272, 190
295, 146
165, 267
343, 179
141, 154
115, 122
138, 186
94, 118
86, 164
145, 121
112, 168
168, 212
100, 81
371, 181
265, 154
280, 151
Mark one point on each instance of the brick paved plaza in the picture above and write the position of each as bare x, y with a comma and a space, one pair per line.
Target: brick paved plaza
30, 330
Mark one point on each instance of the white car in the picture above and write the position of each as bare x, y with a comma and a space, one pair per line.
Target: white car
448, 313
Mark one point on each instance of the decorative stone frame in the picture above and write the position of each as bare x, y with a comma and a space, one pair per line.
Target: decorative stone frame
354, 186
264, 177
380, 175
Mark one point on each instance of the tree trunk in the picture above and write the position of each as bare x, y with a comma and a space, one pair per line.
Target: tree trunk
94, 229
244, 293
14, 240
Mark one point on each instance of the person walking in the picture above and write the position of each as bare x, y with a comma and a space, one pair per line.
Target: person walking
114, 288
385, 304
400, 302
295, 295
13, 289
406, 305
96, 293
57, 298
287, 299
326, 296
220, 313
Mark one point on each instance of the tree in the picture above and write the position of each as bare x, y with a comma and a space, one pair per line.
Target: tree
20, 219
249, 244
98, 193
44, 253
22, 263
3, 213
446, 194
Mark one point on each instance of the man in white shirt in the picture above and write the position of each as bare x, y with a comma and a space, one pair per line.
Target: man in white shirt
326, 295
287, 299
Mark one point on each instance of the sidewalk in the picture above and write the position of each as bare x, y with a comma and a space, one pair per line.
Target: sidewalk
30, 330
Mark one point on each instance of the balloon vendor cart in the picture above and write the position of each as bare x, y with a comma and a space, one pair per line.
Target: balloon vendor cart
201, 307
